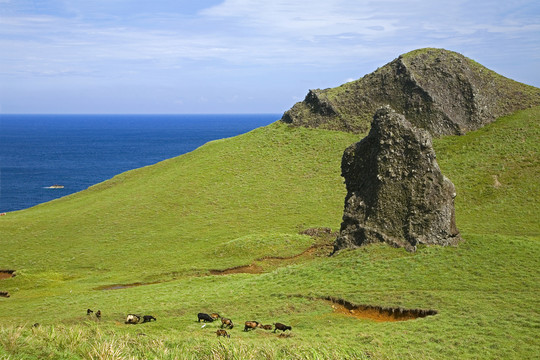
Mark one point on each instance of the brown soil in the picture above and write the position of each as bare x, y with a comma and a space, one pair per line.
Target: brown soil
4, 294
308, 252
6, 274
247, 269
267, 262
376, 313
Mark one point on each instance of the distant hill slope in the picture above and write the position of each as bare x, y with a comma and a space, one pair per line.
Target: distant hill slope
439, 90
186, 206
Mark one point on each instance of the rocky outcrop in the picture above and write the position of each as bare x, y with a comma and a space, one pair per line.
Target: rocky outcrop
438, 90
396, 192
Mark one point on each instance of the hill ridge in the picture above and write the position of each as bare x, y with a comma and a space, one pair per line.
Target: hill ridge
438, 90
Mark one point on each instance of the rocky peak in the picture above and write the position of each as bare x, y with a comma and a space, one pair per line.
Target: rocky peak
438, 90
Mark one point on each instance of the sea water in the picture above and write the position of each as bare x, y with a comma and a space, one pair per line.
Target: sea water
78, 151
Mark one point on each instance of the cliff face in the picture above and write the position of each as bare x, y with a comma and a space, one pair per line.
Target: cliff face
440, 91
396, 192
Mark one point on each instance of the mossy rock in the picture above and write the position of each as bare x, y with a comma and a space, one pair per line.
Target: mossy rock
438, 90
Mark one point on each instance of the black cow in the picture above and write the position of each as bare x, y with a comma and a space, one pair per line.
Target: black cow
204, 317
148, 318
282, 327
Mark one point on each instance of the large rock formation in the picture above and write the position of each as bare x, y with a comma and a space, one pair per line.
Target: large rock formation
438, 90
396, 192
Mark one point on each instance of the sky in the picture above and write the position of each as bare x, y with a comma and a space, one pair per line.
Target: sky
236, 56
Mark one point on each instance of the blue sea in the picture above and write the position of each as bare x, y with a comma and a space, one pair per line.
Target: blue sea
77, 151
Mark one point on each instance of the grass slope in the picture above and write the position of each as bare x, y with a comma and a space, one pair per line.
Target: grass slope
237, 200
165, 218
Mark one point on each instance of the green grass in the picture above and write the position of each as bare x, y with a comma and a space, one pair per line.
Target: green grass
272, 180
508, 151
235, 201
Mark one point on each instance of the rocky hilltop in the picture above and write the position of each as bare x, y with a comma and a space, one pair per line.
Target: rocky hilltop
438, 90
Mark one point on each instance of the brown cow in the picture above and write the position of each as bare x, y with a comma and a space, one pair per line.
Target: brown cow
227, 323
223, 333
250, 325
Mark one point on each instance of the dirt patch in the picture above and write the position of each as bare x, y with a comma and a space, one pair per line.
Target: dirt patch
123, 286
324, 245
246, 269
269, 262
6, 274
376, 313
4, 294
309, 251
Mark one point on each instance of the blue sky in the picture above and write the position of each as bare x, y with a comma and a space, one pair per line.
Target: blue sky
236, 56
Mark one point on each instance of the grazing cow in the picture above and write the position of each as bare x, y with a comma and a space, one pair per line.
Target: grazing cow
205, 317
267, 327
148, 318
133, 319
282, 327
227, 323
88, 311
215, 316
250, 325
223, 333
98, 314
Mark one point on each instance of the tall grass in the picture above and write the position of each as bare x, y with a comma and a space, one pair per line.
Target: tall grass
78, 342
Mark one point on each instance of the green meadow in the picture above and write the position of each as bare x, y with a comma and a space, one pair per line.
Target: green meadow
171, 227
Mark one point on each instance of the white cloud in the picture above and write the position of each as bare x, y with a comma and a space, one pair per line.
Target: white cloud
304, 20
317, 43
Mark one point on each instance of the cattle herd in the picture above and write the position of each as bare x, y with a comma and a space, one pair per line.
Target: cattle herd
248, 325
206, 318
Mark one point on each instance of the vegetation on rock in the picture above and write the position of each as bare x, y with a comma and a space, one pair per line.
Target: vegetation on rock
438, 90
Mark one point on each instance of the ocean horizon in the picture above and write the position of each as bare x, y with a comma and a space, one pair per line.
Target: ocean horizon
44, 157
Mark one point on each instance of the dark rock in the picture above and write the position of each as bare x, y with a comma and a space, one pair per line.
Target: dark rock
396, 192
438, 90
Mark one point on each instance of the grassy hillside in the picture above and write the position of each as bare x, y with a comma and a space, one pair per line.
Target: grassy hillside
236, 201
161, 218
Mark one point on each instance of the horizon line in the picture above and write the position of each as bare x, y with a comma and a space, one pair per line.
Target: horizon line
141, 114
